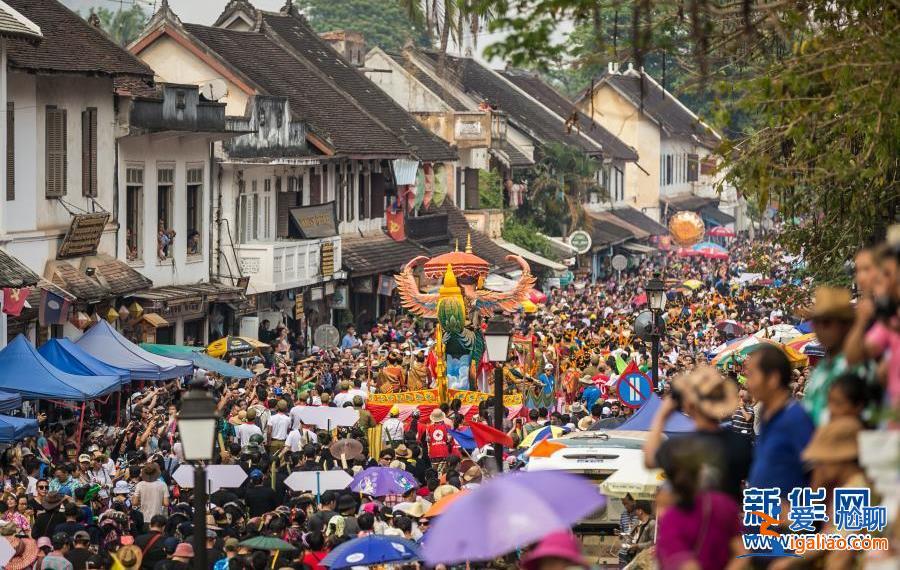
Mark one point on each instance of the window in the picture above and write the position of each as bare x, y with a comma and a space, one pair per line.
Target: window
669, 164
10, 151
165, 183
55, 152
618, 184
134, 201
693, 167
89, 152
194, 210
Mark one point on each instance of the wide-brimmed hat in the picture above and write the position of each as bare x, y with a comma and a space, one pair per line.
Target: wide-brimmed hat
52, 500
831, 303
587, 380
402, 452
395, 411
259, 368
414, 510
437, 416
585, 423
712, 394
834, 442
26, 552
130, 556
444, 491
561, 544
184, 550
473, 473
121, 488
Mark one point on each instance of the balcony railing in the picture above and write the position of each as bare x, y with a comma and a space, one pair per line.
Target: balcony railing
285, 264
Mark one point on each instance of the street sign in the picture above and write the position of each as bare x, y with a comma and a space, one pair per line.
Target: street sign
619, 262
634, 389
326, 417
581, 241
217, 477
317, 481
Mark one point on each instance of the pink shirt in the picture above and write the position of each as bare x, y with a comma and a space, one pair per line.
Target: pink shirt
703, 533
884, 339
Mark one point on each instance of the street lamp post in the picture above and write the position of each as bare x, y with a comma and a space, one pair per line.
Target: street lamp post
656, 297
496, 339
197, 428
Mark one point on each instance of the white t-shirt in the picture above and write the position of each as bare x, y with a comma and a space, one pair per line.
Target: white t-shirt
295, 416
358, 392
343, 398
245, 431
280, 424
297, 439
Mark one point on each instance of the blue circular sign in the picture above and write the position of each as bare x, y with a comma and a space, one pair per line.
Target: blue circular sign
634, 389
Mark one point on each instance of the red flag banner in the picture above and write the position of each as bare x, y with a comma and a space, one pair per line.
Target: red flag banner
14, 300
396, 227
485, 434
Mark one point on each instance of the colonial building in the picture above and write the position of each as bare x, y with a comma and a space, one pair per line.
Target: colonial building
677, 170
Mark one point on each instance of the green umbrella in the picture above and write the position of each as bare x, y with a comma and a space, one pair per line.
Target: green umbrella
267, 543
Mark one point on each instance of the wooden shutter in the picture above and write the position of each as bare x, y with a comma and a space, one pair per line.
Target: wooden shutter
363, 197
89, 152
284, 202
55, 153
472, 201
315, 188
11, 151
378, 184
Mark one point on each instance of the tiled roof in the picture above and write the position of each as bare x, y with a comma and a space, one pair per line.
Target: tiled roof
34, 296
14, 25
429, 83
607, 216
512, 155
604, 233
70, 44
641, 220
660, 105
330, 113
296, 32
120, 277
525, 114
459, 229
85, 289
714, 214
14, 273
375, 255
549, 97
688, 202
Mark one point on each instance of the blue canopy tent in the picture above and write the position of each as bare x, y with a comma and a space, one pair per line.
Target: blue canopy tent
643, 419
69, 357
14, 429
24, 370
199, 359
104, 342
10, 401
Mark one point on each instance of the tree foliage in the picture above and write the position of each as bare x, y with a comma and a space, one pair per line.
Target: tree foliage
490, 189
526, 234
123, 26
811, 85
384, 23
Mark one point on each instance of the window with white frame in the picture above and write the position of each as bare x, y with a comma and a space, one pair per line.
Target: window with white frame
134, 208
194, 196
165, 190
267, 209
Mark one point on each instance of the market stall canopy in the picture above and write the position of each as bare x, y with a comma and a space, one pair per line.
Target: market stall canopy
199, 359
106, 343
24, 370
14, 429
643, 418
69, 357
10, 401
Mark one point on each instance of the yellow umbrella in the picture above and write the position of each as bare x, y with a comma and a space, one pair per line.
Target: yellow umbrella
235, 346
528, 306
693, 284
555, 431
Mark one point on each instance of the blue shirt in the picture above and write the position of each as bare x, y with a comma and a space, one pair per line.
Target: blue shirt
591, 394
349, 341
547, 381
781, 440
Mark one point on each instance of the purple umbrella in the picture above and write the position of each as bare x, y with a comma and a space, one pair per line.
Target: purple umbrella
508, 512
381, 481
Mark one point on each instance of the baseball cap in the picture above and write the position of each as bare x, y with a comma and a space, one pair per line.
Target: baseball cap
84, 458
44, 542
81, 536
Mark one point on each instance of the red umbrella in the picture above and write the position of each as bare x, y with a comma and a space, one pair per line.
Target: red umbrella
639, 300
721, 231
687, 252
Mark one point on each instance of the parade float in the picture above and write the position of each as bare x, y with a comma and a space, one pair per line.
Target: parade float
459, 306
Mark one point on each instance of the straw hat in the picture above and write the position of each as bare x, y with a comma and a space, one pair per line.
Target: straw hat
712, 394
444, 491
415, 510
472, 474
585, 423
26, 552
401, 451
130, 557
834, 442
52, 500
259, 368
184, 550
437, 416
831, 303
587, 380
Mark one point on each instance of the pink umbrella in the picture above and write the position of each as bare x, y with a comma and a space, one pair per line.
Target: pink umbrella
721, 231
639, 300
686, 252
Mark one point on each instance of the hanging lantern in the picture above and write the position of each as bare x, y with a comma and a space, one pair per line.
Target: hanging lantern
112, 315
136, 310
95, 318
124, 313
80, 320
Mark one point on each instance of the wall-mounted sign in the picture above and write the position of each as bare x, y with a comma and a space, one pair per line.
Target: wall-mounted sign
316, 294
83, 236
298, 306
341, 298
326, 263
468, 129
317, 221
581, 241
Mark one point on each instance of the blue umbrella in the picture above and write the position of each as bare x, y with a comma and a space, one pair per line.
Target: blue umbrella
381, 481
370, 551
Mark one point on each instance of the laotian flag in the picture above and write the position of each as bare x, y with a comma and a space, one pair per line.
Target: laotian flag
54, 309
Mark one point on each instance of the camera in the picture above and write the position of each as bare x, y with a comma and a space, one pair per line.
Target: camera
885, 307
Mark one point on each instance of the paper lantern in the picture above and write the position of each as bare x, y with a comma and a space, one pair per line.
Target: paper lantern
112, 315
124, 313
95, 318
80, 320
135, 310
686, 228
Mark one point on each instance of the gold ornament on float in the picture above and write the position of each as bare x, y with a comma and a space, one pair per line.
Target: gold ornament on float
686, 228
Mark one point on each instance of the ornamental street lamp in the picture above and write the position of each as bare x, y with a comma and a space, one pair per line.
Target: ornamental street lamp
656, 298
496, 338
197, 429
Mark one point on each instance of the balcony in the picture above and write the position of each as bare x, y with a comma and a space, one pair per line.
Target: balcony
286, 264
179, 109
465, 129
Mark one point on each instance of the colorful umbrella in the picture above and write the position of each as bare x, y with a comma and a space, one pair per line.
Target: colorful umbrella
639, 300
693, 284
267, 543
381, 481
721, 231
508, 512
372, 550
234, 346
710, 250
440, 506
543, 433
731, 327
782, 333
738, 351
687, 252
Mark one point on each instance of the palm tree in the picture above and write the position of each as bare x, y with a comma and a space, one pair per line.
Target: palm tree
564, 179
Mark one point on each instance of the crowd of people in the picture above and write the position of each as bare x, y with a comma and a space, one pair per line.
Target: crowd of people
110, 499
